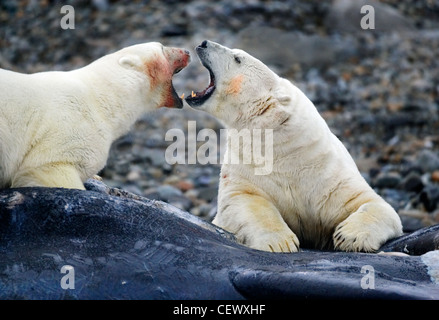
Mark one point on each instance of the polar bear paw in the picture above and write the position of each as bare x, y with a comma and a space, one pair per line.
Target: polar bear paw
349, 237
367, 229
285, 241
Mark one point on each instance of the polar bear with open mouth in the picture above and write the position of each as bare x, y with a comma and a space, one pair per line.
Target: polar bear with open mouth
56, 128
314, 196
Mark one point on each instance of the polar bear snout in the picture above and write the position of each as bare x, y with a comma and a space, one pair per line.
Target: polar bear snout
203, 44
207, 48
215, 58
207, 43
178, 58
160, 69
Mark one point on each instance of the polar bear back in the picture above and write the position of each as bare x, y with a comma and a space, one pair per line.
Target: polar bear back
39, 110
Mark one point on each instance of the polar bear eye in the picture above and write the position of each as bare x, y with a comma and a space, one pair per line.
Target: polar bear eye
237, 59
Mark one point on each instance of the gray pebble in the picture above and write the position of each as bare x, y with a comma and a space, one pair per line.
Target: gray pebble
166, 192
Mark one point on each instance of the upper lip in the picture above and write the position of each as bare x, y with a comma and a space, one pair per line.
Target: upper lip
198, 98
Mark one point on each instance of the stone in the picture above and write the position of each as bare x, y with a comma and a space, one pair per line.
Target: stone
153, 156
304, 50
344, 16
411, 224
428, 161
412, 183
184, 185
208, 193
205, 209
398, 199
166, 192
387, 180
180, 202
430, 197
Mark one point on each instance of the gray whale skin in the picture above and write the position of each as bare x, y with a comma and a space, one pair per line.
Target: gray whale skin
122, 246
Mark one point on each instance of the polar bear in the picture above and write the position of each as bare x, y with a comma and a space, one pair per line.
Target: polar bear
314, 195
56, 128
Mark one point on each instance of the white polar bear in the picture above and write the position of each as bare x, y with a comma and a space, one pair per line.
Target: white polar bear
314, 194
56, 128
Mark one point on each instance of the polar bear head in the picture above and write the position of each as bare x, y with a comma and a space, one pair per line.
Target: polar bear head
143, 75
243, 92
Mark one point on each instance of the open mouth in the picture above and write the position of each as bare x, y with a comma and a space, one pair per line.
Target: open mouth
178, 101
196, 99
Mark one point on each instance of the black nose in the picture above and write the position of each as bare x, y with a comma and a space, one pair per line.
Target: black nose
203, 44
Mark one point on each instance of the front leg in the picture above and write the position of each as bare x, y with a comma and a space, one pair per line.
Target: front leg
256, 223
368, 228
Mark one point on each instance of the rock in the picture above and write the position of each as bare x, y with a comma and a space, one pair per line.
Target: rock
174, 30
387, 180
412, 183
205, 209
304, 50
208, 193
100, 4
415, 219
344, 16
134, 175
180, 202
123, 167
203, 180
430, 197
152, 194
122, 246
166, 192
132, 188
411, 224
184, 185
428, 161
153, 156
398, 199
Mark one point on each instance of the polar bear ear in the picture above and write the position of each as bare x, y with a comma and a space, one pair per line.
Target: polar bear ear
283, 92
284, 100
130, 61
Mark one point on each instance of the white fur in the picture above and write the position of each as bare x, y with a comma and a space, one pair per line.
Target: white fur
56, 128
315, 196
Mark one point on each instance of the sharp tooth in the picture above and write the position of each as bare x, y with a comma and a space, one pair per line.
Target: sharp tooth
182, 96
193, 95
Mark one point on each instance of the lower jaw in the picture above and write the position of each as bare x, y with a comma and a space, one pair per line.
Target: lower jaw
196, 101
172, 100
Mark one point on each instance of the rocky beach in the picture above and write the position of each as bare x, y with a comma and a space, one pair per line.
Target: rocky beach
378, 89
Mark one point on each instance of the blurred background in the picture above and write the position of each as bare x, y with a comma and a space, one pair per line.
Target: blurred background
378, 89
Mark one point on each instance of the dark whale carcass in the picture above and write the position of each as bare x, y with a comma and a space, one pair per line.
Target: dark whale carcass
109, 244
